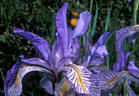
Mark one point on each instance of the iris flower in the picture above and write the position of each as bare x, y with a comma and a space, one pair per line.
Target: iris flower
53, 63
122, 60
95, 59
123, 33
120, 66
63, 76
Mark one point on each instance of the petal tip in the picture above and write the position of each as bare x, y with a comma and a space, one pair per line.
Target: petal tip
18, 30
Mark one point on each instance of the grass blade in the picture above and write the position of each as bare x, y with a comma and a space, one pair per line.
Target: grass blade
91, 4
94, 24
106, 29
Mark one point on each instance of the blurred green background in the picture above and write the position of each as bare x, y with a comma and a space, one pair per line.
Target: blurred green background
38, 16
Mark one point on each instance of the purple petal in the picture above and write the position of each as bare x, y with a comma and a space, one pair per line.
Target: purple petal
96, 61
62, 26
74, 52
79, 78
47, 85
97, 52
133, 69
107, 80
64, 88
57, 52
8, 78
102, 51
122, 34
95, 69
97, 55
130, 91
126, 55
88, 44
133, 39
13, 79
103, 38
36, 61
82, 24
100, 42
70, 33
119, 65
41, 46
122, 59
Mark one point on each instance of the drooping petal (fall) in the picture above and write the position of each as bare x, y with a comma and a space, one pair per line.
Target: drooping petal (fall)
95, 69
107, 80
123, 33
82, 24
13, 79
36, 61
64, 88
40, 45
79, 78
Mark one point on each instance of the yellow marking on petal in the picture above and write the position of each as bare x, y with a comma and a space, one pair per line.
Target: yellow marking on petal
75, 13
17, 80
135, 27
111, 81
65, 87
80, 81
74, 22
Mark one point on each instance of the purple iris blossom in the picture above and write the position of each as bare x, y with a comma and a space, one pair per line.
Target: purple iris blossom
119, 66
122, 34
133, 69
52, 63
95, 54
122, 59
75, 79
94, 62
108, 79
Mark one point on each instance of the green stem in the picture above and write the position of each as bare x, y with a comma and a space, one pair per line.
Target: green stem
91, 4
106, 29
94, 23
2, 74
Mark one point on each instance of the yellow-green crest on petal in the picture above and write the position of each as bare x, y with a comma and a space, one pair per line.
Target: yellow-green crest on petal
17, 80
135, 27
79, 77
65, 87
112, 81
